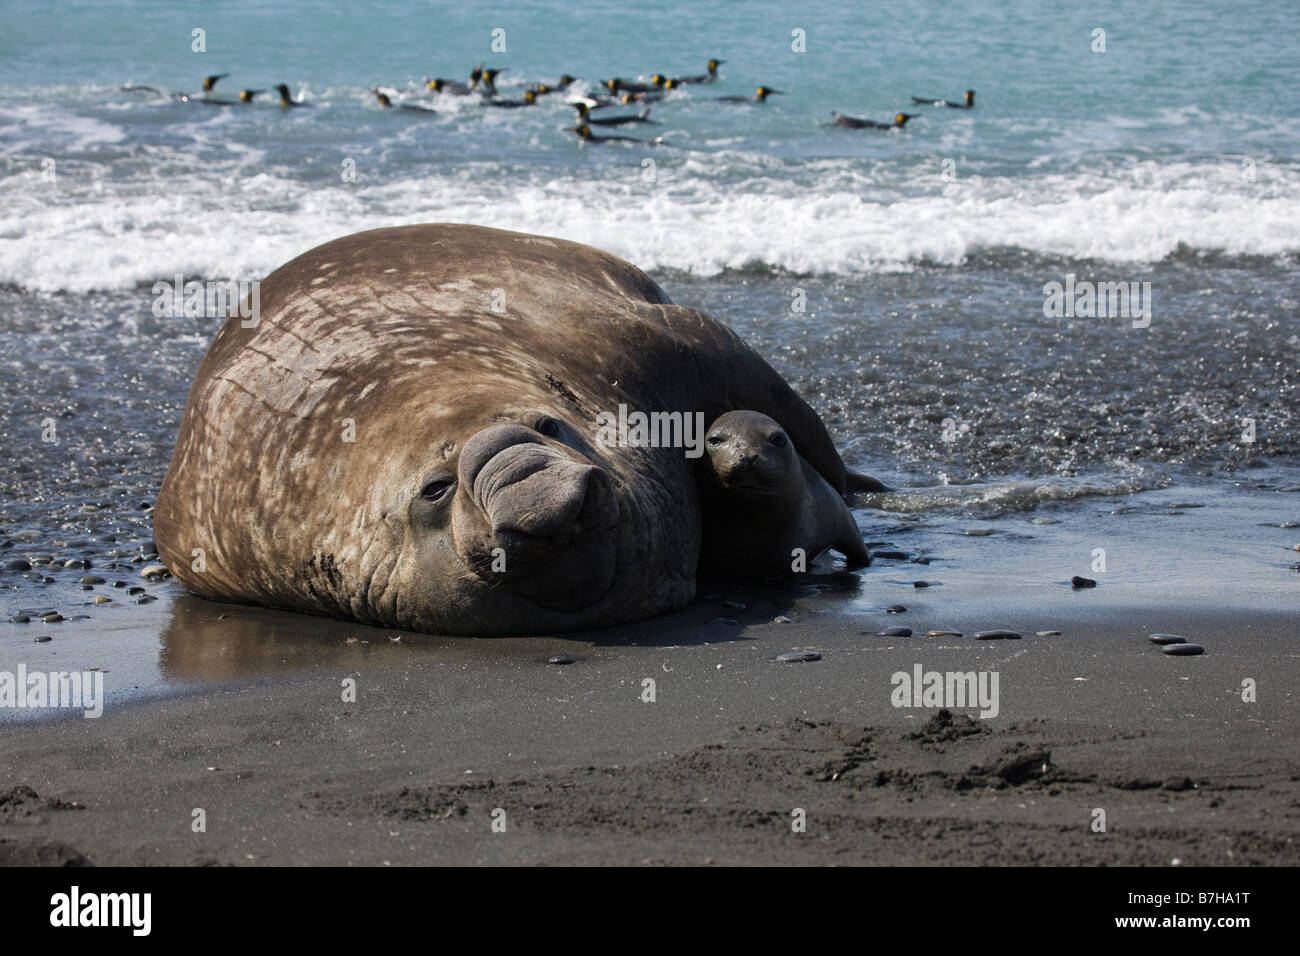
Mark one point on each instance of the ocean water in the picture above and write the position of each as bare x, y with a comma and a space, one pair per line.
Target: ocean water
896, 278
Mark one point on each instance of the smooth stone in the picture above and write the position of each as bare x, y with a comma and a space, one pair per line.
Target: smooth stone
100, 599
92, 579
155, 572
20, 619
87, 587
920, 584
1183, 650
895, 609
53, 617
1080, 584
895, 632
151, 557
135, 590
892, 555
43, 639
1048, 633
145, 599
76, 563
119, 584
943, 633
17, 564
1045, 521
1289, 524
997, 636
794, 657
561, 659
920, 560
978, 532
1168, 639
781, 619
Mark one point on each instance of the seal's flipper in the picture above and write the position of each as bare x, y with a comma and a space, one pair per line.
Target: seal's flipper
863, 484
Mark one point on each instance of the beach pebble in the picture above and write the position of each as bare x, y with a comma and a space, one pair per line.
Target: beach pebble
1289, 524
154, 572
101, 599
20, 619
76, 563
17, 564
978, 532
997, 636
781, 619
891, 555
896, 632
135, 590
895, 609
920, 584
561, 659
921, 560
1168, 639
1048, 633
1186, 649
943, 633
1046, 521
145, 599
792, 657
1079, 583
43, 639
92, 579
52, 617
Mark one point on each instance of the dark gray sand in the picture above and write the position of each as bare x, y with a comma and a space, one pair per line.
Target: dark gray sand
446, 733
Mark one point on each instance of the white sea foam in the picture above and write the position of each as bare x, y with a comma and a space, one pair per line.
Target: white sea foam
699, 217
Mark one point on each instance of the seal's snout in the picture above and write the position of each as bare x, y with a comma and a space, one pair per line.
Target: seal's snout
538, 515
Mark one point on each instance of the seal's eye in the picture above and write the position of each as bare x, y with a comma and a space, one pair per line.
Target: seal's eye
716, 440
779, 440
548, 427
437, 489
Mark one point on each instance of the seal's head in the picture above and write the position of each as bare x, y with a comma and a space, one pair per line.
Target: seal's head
522, 510
749, 454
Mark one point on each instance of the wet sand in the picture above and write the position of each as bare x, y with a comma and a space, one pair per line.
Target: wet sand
444, 732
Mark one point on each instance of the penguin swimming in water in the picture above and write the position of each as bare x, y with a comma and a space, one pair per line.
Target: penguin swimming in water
490, 82
439, 85
709, 77
566, 81
967, 103
209, 84
584, 116
851, 122
387, 103
760, 96
286, 100
585, 134
245, 97
650, 96
530, 97
619, 86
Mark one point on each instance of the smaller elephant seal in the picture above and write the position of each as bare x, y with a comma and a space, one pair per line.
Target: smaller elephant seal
761, 500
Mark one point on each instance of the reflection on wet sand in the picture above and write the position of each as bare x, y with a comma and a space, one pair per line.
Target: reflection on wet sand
206, 641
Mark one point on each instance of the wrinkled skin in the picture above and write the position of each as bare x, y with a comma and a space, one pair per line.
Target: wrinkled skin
475, 498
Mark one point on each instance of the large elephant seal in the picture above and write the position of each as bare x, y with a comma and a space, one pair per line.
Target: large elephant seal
407, 436
763, 503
